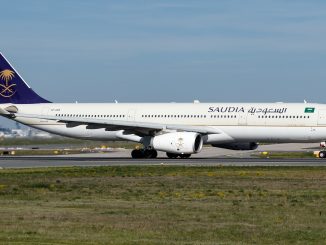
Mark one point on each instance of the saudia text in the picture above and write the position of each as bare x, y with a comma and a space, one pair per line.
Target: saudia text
252, 110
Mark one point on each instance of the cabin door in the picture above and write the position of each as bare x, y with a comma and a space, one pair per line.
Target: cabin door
242, 119
322, 117
45, 111
131, 115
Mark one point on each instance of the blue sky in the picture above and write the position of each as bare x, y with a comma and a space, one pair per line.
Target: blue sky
162, 51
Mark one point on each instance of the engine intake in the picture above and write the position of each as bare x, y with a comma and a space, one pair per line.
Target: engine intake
179, 142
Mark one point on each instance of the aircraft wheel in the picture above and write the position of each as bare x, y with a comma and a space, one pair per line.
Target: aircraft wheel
322, 154
150, 153
154, 154
185, 156
171, 155
136, 154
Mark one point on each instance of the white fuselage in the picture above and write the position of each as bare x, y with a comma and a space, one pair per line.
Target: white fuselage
254, 122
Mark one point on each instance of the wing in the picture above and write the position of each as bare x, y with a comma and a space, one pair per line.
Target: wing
139, 128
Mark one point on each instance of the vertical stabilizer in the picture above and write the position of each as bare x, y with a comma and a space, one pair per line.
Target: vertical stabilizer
13, 89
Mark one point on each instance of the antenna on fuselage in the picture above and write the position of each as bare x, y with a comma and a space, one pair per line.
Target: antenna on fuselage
304, 101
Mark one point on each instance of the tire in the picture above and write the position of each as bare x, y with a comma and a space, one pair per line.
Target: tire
154, 154
171, 155
185, 156
136, 154
149, 153
322, 154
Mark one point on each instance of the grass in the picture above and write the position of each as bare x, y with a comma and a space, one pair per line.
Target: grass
163, 205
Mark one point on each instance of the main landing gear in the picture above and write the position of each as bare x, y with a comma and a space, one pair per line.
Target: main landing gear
173, 155
142, 153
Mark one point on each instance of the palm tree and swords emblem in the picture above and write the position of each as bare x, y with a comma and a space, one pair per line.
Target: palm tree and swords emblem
6, 89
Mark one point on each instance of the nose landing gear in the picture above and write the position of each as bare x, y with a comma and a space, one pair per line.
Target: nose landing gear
322, 154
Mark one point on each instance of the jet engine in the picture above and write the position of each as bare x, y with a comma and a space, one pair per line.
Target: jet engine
178, 143
242, 146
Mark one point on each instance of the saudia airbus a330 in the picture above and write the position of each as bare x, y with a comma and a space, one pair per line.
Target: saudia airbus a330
177, 129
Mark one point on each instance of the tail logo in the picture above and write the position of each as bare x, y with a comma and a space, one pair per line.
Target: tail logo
7, 89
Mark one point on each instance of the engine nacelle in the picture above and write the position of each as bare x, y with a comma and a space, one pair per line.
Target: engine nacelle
178, 143
242, 146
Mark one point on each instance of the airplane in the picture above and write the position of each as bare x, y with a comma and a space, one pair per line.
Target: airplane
178, 129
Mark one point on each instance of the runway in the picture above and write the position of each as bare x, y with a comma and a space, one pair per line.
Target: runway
49, 161
209, 156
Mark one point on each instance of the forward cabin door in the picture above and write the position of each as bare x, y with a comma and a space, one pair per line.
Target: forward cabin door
322, 117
